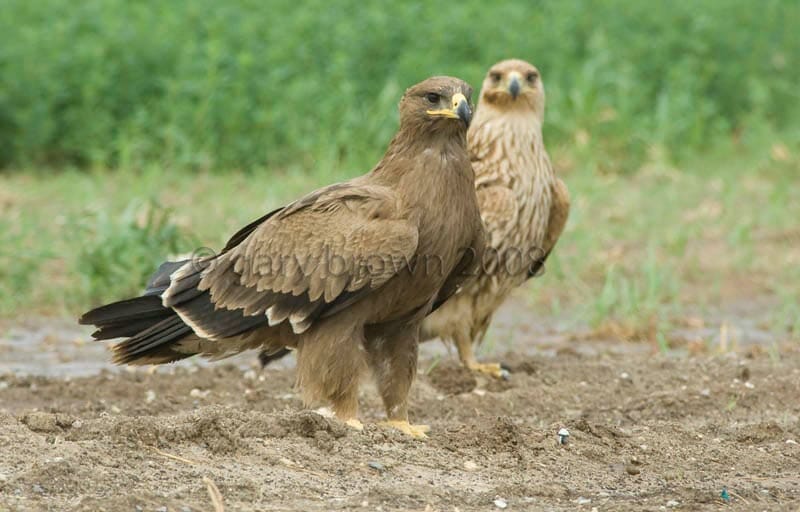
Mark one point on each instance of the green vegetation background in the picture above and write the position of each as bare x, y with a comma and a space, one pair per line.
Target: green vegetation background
203, 84
134, 130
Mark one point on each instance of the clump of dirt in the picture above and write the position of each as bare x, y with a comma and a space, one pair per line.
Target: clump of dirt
452, 379
646, 432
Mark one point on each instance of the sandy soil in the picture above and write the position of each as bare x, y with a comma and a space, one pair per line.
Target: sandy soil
648, 431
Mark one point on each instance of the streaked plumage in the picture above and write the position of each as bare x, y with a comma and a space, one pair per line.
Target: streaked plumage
333, 275
523, 204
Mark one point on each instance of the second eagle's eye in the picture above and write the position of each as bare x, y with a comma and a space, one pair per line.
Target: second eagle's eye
432, 97
496, 77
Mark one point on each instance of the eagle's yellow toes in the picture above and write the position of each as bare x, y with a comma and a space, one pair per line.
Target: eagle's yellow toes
492, 369
415, 431
354, 424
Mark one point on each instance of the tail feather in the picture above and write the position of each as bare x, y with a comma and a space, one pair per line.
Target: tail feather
160, 280
125, 329
173, 309
156, 337
151, 328
148, 306
266, 357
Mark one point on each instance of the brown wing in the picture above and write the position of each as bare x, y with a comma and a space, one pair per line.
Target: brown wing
465, 270
500, 214
559, 213
311, 259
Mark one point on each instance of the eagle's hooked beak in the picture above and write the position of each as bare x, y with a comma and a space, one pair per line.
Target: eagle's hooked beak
514, 85
459, 110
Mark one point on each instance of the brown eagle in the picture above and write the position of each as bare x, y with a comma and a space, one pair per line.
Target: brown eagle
523, 204
344, 275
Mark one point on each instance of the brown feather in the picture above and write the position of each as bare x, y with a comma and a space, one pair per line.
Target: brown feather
334, 273
523, 205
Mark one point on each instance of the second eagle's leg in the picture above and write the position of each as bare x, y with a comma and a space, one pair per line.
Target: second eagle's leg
465, 345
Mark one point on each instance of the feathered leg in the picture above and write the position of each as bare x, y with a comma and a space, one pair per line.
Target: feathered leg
333, 379
393, 360
465, 345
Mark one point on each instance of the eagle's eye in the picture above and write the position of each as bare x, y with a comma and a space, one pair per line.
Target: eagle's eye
433, 97
496, 77
532, 76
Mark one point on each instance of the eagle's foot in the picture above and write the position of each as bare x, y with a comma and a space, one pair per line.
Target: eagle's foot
354, 424
495, 370
415, 431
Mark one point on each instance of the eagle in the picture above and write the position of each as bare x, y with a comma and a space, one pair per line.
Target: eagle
344, 276
524, 205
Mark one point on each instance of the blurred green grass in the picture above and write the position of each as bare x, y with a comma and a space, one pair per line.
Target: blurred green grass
243, 84
638, 251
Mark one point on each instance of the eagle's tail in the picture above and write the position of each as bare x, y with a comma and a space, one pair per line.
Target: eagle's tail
152, 329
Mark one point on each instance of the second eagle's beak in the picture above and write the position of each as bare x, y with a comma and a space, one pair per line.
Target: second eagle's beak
514, 86
460, 109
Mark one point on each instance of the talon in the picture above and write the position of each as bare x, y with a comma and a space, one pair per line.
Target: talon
495, 370
354, 424
415, 431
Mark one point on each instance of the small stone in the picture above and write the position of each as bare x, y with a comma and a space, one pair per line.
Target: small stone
161, 509
250, 375
744, 374
791, 441
3, 385
500, 502
632, 469
624, 376
705, 392
377, 466
672, 503
196, 393
38, 489
749, 385
583, 501
77, 424
115, 409
150, 396
470, 466
563, 436
479, 392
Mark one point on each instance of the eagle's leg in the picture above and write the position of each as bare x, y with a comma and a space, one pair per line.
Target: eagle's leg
333, 380
393, 359
464, 344
346, 409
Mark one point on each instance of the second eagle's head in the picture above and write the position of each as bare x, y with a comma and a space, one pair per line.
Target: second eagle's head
514, 85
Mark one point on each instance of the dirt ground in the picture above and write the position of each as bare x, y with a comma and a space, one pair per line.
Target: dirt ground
648, 431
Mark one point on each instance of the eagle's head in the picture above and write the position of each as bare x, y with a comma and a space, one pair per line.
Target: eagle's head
514, 85
440, 103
